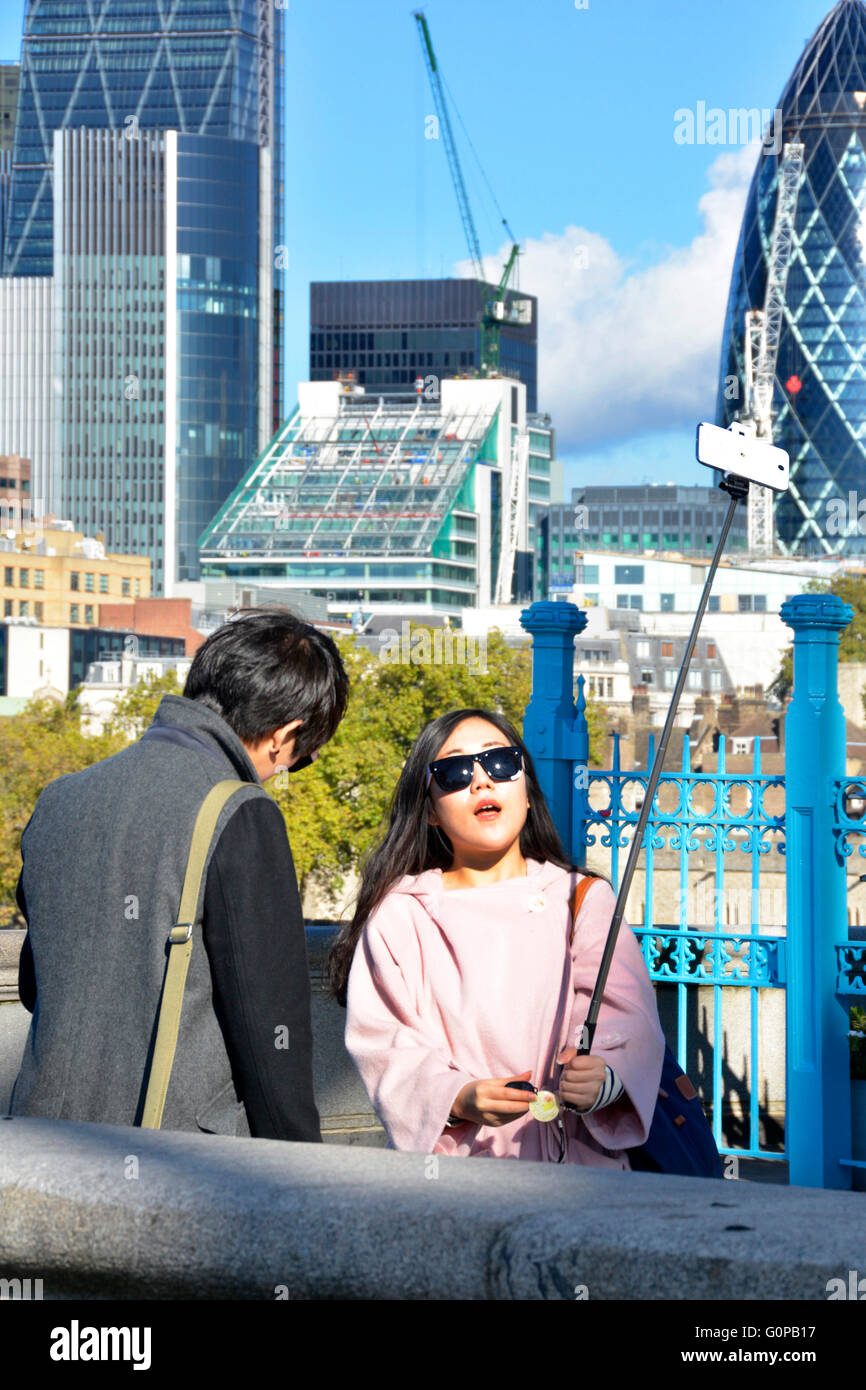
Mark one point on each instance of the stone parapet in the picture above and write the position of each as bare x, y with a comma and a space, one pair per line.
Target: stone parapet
98, 1211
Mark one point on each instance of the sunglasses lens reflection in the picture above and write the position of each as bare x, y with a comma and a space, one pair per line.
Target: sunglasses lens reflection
500, 764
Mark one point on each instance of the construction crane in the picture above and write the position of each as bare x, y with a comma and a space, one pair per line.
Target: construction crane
763, 328
495, 311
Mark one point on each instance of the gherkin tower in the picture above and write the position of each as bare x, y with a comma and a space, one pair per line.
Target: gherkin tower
819, 393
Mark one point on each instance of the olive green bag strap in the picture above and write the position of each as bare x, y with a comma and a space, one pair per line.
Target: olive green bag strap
179, 952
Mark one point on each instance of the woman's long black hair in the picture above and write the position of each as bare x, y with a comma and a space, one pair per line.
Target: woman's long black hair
411, 844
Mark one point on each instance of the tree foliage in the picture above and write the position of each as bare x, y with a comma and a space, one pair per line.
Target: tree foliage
850, 588
335, 809
134, 711
43, 742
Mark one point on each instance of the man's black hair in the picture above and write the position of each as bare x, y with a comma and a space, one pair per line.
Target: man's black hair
266, 667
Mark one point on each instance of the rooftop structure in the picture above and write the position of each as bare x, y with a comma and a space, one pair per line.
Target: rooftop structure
52, 574
637, 519
673, 583
392, 333
415, 505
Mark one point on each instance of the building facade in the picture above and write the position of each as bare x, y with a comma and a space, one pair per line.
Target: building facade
635, 519
58, 577
392, 333
819, 392
157, 410
26, 378
51, 661
417, 508
10, 74
659, 584
148, 180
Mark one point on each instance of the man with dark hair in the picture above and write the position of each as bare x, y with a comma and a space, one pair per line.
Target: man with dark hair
105, 854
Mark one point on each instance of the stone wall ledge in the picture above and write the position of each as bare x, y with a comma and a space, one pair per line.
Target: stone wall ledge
212, 1217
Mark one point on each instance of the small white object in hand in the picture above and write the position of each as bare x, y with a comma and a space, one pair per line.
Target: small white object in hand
544, 1107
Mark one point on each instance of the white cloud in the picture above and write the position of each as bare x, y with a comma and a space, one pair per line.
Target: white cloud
624, 351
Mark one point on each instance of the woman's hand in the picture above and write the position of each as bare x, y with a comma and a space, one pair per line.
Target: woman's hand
582, 1077
489, 1102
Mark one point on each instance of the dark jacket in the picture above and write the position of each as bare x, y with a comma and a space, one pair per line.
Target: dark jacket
104, 856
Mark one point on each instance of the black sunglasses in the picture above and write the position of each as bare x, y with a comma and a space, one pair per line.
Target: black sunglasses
500, 764
301, 762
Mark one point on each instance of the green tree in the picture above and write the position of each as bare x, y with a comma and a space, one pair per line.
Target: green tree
134, 711
43, 742
336, 809
46, 741
850, 588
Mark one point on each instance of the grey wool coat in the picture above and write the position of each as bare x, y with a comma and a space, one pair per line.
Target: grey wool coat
105, 854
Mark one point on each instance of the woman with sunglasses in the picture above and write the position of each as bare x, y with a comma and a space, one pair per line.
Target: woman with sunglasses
465, 991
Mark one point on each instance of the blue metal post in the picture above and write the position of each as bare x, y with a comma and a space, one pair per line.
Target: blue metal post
818, 1087
548, 725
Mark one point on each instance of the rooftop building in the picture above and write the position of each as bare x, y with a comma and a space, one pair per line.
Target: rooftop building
634, 519
674, 583
39, 660
392, 333
59, 577
212, 601
414, 508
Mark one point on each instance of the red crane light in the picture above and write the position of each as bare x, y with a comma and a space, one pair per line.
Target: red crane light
793, 385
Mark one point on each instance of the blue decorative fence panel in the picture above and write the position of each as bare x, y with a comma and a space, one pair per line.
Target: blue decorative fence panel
731, 825
696, 811
850, 833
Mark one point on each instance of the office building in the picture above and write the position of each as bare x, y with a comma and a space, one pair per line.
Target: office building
819, 386
39, 660
673, 584
656, 518
410, 508
391, 333
10, 73
148, 180
26, 378
59, 577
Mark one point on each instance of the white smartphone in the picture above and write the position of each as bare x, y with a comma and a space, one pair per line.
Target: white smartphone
736, 451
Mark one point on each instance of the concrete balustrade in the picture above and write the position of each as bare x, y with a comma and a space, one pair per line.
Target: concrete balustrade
98, 1211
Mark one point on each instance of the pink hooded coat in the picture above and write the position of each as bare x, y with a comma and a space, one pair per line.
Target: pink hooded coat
449, 986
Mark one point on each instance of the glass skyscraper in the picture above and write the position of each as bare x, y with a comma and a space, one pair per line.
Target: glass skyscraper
819, 397
154, 130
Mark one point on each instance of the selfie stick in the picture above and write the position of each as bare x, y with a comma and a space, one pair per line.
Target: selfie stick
737, 488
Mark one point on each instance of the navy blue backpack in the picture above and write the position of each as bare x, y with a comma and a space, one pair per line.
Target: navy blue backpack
680, 1139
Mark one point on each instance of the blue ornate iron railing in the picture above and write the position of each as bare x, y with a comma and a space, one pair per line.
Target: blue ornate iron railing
850, 810
698, 814
693, 811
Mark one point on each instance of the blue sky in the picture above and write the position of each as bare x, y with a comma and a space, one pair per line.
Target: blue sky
571, 111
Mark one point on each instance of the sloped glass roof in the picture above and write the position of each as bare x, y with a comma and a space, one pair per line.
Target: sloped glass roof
376, 479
